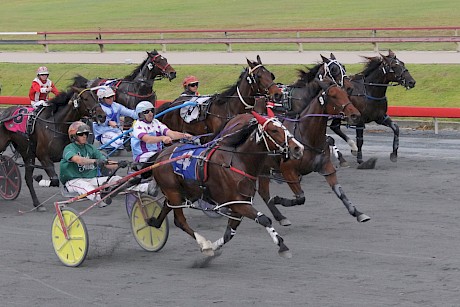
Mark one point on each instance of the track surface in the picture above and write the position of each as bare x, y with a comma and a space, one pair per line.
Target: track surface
407, 255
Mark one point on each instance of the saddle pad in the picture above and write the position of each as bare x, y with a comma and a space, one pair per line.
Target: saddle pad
18, 122
187, 168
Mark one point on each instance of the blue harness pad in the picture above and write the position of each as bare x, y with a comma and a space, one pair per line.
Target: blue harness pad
187, 168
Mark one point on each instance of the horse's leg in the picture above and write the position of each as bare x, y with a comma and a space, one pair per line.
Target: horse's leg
331, 179
48, 166
260, 218
389, 123
359, 142
29, 170
264, 192
335, 126
330, 140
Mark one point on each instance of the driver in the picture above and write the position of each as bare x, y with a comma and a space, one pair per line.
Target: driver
41, 87
190, 85
81, 161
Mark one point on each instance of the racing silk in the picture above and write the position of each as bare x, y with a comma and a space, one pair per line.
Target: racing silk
113, 113
40, 91
141, 128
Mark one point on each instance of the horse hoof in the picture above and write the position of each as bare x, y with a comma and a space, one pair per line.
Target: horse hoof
369, 164
208, 252
354, 152
41, 209
362, 218
285, 222
344, 164
393, 157
286, 254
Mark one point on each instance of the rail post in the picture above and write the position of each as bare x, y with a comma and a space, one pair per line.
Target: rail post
45, 45
163, 46
101, 46
458, 43
229, 46
299, 44
376, 45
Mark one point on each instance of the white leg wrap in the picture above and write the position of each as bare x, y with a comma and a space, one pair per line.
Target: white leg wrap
272, 232
217, 244
205, 245
352, 145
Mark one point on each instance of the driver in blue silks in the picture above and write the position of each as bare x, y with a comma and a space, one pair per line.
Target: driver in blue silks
110, 129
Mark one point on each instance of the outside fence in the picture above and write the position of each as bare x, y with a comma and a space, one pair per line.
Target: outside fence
228, 37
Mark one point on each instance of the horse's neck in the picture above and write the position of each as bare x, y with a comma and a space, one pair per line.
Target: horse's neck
64, 117
252, 155
311, 128
376, 77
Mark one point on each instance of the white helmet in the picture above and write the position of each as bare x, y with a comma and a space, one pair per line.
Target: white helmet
42, 70
105, 92
143, 106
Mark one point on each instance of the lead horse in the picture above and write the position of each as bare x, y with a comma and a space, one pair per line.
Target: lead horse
253, 83
309, 127
367, 91
234, 166
49, 135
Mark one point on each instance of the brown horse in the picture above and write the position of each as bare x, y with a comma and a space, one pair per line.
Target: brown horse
310, 129
254, 82
367, 92
49, 136
138, 85
234, 166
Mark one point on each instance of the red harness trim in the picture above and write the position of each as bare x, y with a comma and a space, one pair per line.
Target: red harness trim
205, 166
242, 173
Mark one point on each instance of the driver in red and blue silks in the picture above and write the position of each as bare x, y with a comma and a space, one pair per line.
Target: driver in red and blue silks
41, 87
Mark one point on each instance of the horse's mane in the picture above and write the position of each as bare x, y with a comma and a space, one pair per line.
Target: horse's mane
228, 92
240, 136
372, 64
306, 76
137, 70
80, 81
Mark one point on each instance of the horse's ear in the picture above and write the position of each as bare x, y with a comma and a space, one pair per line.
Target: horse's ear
332, 56
270, 112
391, 53
249, 62
260, 119
258, 59
325, 60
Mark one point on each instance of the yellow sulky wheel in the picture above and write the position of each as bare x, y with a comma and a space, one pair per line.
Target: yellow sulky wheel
149, 238
72, 251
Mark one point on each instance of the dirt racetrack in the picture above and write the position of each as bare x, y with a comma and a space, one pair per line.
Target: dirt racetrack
407, 255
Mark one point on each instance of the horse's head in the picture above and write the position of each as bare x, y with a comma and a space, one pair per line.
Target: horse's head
335, 101
333, 69
261, 80
277, 137
85, 103
395, 71
159, 67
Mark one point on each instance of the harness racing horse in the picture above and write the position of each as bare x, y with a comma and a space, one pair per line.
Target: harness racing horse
138, 85
254, 82
49, 136
310, 129
234, 166
367, 92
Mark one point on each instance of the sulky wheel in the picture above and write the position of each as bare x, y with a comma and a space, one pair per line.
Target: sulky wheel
10, 178
72, 251
148, 237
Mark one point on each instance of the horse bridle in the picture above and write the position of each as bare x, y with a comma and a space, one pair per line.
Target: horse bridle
388, 68
328, 72
263, 135
253, 80
78, 100
322, 98
152, 64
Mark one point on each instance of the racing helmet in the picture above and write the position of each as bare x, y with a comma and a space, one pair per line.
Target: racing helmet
143, 106
77, 127
105, 92
188, 80
42, 70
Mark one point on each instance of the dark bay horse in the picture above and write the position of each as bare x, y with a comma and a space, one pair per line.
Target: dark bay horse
253, 83
138, 85
309, 127
230, 174
367, 91
49, 136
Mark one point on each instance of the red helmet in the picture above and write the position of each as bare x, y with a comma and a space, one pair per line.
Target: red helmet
189, 79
